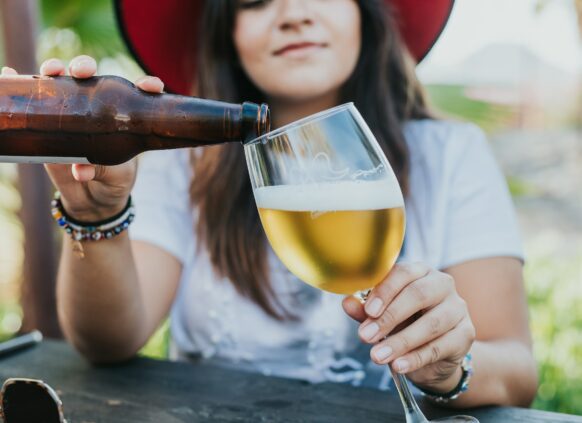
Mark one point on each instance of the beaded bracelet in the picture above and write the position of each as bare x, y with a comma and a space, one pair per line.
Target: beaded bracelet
462, 386
94, 231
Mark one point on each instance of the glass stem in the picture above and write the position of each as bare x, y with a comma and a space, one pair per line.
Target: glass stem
413, 413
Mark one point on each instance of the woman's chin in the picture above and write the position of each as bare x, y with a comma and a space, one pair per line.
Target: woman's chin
302, 92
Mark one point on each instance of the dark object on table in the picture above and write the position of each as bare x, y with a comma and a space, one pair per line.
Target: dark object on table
20, 342
30, 401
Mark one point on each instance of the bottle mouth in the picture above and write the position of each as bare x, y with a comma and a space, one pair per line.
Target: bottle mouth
256, 121
264, 120
266, 136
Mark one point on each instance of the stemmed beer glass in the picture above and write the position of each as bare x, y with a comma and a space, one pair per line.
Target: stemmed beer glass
332, 208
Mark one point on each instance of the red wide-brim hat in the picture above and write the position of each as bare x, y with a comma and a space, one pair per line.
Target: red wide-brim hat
161, 34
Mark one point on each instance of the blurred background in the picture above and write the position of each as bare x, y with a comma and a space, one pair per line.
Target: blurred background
512, 67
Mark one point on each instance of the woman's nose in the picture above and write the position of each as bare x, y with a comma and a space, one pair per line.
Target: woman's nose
293, 14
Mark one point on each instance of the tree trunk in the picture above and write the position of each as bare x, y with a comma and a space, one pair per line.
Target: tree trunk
20, 22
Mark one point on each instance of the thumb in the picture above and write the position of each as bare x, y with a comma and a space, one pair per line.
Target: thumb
354, 308
84, 172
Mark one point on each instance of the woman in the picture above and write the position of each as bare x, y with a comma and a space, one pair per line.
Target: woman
231, 301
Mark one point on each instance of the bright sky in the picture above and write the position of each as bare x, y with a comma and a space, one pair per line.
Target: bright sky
551, 33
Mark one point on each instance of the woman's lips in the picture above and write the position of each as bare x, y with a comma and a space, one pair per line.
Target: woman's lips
298, 48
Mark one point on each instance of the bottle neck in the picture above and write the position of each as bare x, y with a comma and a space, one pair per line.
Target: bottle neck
208, 121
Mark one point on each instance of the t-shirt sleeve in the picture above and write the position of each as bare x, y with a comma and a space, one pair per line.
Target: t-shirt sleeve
480, 217
163, 215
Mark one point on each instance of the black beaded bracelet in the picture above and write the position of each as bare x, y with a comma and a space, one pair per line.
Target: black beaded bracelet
91, 231
58, 203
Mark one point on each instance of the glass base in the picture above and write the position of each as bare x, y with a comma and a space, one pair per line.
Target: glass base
362, 295
456, 419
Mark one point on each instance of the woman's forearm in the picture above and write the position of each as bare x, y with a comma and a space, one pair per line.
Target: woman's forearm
504, 374
99, 302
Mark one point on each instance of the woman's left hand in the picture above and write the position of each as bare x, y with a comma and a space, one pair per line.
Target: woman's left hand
419, 324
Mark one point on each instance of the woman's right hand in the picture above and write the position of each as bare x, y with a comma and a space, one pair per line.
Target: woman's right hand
92, 192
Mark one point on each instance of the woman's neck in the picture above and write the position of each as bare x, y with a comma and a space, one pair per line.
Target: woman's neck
288, 111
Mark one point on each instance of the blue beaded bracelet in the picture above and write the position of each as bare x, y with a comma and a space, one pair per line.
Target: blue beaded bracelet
94, 231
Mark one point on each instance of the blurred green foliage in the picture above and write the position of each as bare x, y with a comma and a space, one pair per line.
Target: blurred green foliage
452, 102
554, 286
91, 21
518, 187
159, 344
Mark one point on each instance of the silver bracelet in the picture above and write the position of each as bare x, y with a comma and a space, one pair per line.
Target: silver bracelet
462, 386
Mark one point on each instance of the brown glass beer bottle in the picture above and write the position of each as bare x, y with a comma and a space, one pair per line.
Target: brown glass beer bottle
107, 120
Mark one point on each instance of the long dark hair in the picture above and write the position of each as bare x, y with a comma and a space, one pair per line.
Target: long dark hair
383, 87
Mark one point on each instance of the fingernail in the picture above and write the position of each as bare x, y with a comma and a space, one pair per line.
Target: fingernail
8, 71
83, 63
156, 80
383, 353
159, 81
373, 307
401, 365
369, 331
151, 79
51, 61
80, 63
45, 65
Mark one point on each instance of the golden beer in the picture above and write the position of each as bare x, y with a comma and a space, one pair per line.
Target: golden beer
342, 237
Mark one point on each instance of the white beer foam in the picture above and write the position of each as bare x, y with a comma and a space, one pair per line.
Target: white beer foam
337, 196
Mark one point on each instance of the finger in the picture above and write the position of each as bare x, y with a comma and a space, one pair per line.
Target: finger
429, 327
83, 67
8, 71
400, 276
151, 84
83, 172
59, 174
52, 67
454, 343
419, 295
354, 308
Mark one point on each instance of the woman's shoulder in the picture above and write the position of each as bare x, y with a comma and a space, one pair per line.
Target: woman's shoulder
441, 135
442, 151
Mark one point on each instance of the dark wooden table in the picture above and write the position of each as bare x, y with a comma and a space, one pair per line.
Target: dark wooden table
144, 391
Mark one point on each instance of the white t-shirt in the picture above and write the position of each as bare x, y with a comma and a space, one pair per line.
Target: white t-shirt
458, 209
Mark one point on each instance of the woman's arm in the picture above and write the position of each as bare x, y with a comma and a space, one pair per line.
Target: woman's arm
423, 322
505, 369
113, 300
